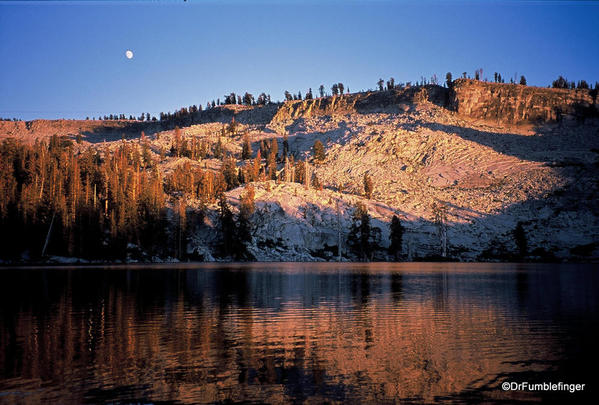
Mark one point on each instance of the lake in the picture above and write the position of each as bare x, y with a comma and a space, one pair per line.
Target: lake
297, 333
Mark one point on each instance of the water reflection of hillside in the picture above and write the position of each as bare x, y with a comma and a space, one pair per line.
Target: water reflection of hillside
206, 336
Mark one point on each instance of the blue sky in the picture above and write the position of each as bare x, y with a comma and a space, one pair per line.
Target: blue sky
67, 59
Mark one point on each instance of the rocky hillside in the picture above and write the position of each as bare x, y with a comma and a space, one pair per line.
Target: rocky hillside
513, 103
493, 155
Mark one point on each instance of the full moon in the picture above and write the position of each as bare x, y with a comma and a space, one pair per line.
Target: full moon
129, 54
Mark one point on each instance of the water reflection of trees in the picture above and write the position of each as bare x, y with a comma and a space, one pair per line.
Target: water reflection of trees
206, 336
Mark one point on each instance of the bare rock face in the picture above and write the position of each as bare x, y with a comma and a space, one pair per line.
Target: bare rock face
513, 103
257, 115
389, 101
91, 130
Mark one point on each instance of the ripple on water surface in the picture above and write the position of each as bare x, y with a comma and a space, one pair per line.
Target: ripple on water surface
294, 333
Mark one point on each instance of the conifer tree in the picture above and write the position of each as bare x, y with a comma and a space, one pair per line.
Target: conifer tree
232, 128
246, 150
248, 99
520, 240
396, 236
229, 171
181, 209
272, 159
176, 144
285, 146
227, 224
318, 149
368, 187
440, 219
246, 209
218, 151
316, 183
360, 237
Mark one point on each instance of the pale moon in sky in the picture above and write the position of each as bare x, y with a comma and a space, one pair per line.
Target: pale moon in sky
129, 54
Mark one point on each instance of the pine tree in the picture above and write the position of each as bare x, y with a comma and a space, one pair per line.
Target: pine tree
360, 237
246, 209
248, 99
229, 171
254, 170
396, 236
368, 186
440, 219
177, 143
262, 99
285, 146
246, 150
390, 84
520, 240
318, 149
272, 159
232, 127
227, 226
218, 151
316, 183
560, 83
181, 209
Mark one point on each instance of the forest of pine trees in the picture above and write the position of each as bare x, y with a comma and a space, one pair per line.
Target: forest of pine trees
59, 199
90, 205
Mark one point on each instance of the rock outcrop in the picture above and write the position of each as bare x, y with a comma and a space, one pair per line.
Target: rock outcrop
90, 130
513, 103
389, 101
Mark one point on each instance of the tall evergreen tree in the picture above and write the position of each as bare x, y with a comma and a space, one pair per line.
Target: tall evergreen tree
227, 226
285, 146
246, 149
246, 209
318, 149
360, 238
396, 236
229, 171
335, 89
440, 218
520, 240
368, 186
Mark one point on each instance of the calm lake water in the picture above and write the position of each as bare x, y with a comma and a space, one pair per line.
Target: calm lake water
297, 333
